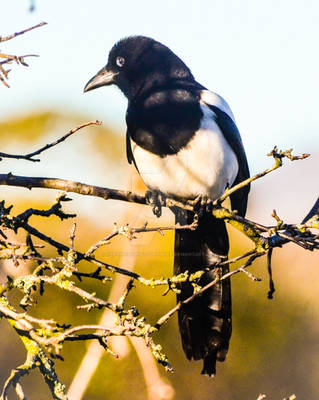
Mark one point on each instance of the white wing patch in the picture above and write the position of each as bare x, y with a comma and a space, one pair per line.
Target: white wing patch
211, 98
206, 166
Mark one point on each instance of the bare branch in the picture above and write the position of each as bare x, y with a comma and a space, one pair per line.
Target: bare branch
49, 336
71, 186
278, 156
9, 37
30, 156
8, 59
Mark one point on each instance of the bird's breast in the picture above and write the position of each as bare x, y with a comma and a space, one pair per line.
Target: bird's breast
205, 166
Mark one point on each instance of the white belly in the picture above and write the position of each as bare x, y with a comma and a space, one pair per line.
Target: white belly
204, 167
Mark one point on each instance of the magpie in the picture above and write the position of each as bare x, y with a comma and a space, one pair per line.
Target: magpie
183, 141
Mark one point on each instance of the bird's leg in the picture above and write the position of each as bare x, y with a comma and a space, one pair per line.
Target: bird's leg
156, 200
202, 205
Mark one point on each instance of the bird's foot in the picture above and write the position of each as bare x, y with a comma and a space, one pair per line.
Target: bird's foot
202, 205
156, 200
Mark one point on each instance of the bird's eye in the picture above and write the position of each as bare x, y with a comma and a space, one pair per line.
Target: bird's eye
120, 61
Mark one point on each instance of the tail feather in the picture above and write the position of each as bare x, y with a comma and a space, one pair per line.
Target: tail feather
204, 323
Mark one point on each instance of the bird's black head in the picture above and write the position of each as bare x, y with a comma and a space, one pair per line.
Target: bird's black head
138, 63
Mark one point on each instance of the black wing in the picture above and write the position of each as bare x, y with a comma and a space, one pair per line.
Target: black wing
230, 131
129, 152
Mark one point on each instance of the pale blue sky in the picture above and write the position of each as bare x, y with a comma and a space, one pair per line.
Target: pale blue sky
261, 56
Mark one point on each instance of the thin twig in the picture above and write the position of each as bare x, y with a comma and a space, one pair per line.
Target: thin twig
8, 59
278, 156
165, 317
9, 37
30, 156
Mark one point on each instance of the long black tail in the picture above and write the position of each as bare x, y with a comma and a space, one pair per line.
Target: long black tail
204, 323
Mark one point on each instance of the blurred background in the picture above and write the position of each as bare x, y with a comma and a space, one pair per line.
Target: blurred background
262, 58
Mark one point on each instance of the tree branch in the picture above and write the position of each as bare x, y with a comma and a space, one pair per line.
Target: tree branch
36, 357
8, 59
278, 156
47, 335
9, 37
30, 156
71, 186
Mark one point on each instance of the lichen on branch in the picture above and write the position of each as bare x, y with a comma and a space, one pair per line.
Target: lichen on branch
44, 338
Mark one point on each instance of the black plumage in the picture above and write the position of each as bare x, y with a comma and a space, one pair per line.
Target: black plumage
189, 137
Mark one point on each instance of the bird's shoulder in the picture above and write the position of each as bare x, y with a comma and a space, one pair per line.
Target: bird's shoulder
163, 100
211, 100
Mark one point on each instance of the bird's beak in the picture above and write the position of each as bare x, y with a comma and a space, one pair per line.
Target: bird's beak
103, 78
